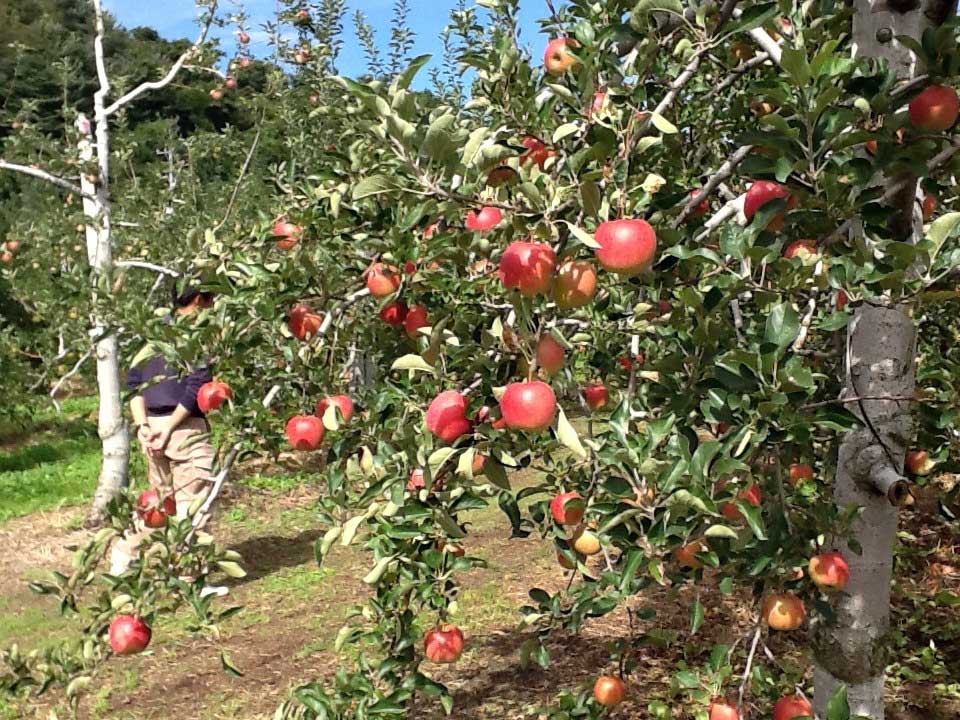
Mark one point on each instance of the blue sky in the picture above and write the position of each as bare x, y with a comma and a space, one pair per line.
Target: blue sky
175, 19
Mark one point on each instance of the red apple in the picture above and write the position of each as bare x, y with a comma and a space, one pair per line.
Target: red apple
243, 38
443, 645
6, 257
550, 354
783, 611
230, 83
303, 15
800, 471
212, 395
415, 481
343, 403
829, 571
596, 396
501, 175
609, 691
871, 146
528, 406
686, 556
537, 152
575, 284
305, 432
627, 246
154, 511
394, 313
447, 416
382, 280
303, 323
721, 710
486, 219
129, 635
313, 100
568, 508
929, 206
284, 229
12, 245
245, 62
416, 318
759, 194
918, 462
301, 57
935, 109
557, 58
750, 495
805, 250
597, 104
791, 707
216, 94
842, 300
528, 267
701, 207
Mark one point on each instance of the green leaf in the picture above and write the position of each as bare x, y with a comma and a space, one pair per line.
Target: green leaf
941, 228
145, 353
837, 707
796, 65
721, 531
228, 667
568, 436
635, 556
662, 124
406, 77
565, 130
231, 568
583, 236
645, 7
437, 144
412, 362
472, 147
648, 142
696, 617
350, 528
373, 577
373, 185
496, 474
323, 545
783, 324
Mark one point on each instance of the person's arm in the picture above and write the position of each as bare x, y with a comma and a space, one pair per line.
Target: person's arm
138, 408
186, 408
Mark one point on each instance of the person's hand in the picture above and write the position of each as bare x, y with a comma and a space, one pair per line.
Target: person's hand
146, 435
159, 442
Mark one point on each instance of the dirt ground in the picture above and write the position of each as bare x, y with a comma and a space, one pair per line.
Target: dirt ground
293, 609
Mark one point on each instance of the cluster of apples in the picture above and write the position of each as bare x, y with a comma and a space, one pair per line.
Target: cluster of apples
9, 249
382, 282
305, 432
788, 707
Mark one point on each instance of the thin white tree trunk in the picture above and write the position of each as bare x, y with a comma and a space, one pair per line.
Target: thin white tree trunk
850, 648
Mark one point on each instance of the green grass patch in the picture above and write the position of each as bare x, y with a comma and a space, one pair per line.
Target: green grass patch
293, 581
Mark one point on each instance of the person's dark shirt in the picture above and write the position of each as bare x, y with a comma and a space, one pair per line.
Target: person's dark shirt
175, 388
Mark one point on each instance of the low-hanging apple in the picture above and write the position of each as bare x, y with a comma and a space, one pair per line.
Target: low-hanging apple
918, 462
935, 109
686, 555
701, 207
6, 257
212, 395
443, 644
609, 691
842, 300
394, 313
586, 542
528, 406
596, 396
154, 510
627, 246
557, 58
722, 710
798, 472
759, 194
12, 245
230, 83
829, 571
129, 634
416, 318
303, 322
536, 152
567, 508
483, 220
550, 354
447, 416
415, 481
343, 403
783, 611
528, 267
382, 280
575, 284
929, 206
751, 495
305, 432
792, 707
805, 250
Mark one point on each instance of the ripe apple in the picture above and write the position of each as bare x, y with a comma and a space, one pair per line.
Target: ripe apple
751, 495
528, 267
447, 416
394, 313
12, 245
829, 571
416, 318
701, 207
596, 105
287, 243
528, 406
798, 472
212, 395
871, 146
129, 635
935, 109
918, 462
284, 229
342, 402
537, 152
575, 284
586, 542
557, 58
244, 38
154, 511
303, 15
760, 108
502, 175
759, 194
443, 645
486, 219
627, 246
783, 611
305, 432
929, 206
216, 94
314, 100
6, 257
596, 396
842, 300
302, 56
415, 481
382, 280
686, 556
790, 707
550, 354
568, 508
245, 62
805, 250
230, 83
303, 323
609, 691
721, 710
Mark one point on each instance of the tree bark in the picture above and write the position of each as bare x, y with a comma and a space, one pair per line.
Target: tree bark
849, 647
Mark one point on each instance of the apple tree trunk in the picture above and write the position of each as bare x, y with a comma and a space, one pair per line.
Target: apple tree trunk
849, 647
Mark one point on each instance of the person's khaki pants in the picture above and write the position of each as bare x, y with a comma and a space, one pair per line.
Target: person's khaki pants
185, 470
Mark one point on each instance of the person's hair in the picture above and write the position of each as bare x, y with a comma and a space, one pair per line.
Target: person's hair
185, 295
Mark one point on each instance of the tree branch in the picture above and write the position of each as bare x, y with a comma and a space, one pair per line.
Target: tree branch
44, 175
243, 172
142, 264
723, 172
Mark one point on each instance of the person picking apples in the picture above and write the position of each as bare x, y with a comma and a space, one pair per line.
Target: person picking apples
168, 412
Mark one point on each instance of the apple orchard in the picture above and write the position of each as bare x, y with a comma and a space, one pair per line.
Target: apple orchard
688, 270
